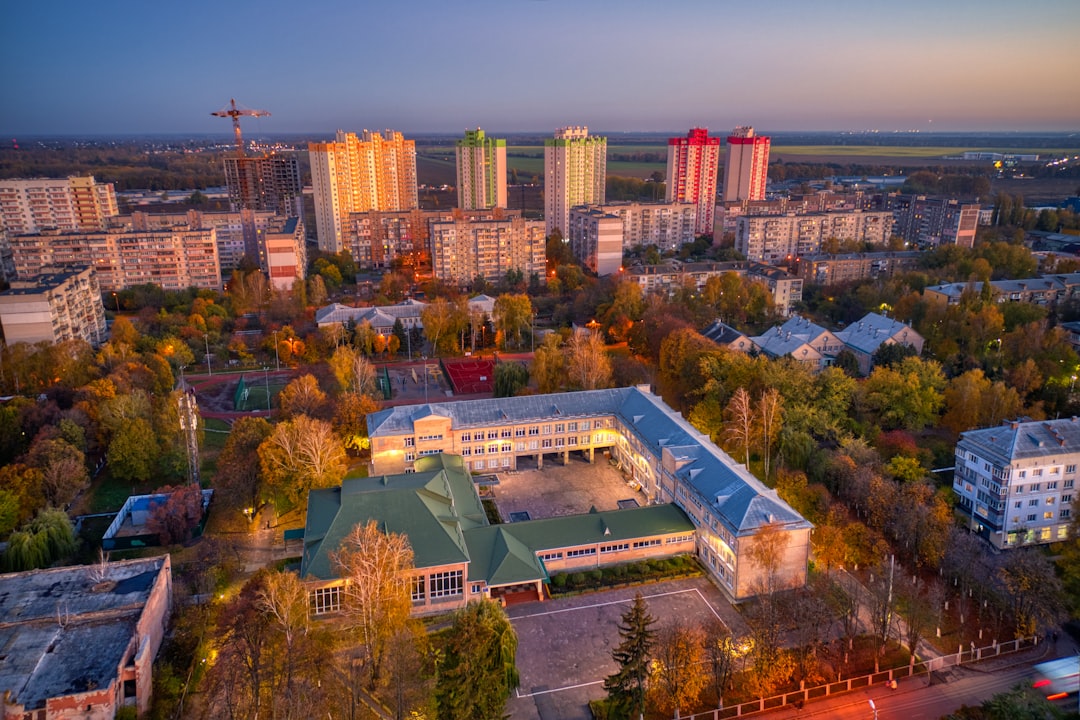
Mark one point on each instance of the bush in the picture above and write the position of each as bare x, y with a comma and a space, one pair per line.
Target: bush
596, 576
577, 579
559, 580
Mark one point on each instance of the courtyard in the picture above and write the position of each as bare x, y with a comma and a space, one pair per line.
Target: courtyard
558, 489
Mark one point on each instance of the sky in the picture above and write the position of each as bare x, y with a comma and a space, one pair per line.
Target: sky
422, 66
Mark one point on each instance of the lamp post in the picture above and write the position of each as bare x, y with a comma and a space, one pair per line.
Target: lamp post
116, 299
532, 334
277, 360
206, 339
266, 379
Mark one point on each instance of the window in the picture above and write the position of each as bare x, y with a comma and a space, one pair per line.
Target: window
1048, 516
1066, 498
1023, 473
409, 457
559, 442
571, 427
534, 445
466, 451
560, 427
506, 447
493, 435
1031, 518
1070, 469
1051, 485
547, 442
1019, 490
617, 547
478, 450
506, 432
436, 451
1033, 502
466, 437
647, 543
1037, 472
580, 552
445, 584
547, 430
519, 447
506, 462
551, 556
572, 440
1050, 500
1035, 487
326, 600
597, 424
519, 432
1065, 512
1019, 504
424, 438
493, 449
409, 442
477, 588
1068, 484
418, 588
679, 539
534, 430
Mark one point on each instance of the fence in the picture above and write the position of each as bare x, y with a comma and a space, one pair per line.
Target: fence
864, 681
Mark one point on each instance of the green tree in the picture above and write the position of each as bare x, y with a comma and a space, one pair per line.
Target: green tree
548, 366
47, 538
238, 477
512, 315
478, 670
510, 378
587, 365
133, 451
301, 454
909, 396
626, 686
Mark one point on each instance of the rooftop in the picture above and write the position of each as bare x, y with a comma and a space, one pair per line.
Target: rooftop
1024, 439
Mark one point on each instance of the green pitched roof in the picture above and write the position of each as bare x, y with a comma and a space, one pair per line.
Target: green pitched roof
500, 558
601, 527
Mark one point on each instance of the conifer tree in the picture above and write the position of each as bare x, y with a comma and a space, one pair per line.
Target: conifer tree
626, 687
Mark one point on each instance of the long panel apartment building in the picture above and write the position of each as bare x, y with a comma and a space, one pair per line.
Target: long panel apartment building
72, 204
463, 249
1017, 482
54, 307
670, 460
772, 238
175, 258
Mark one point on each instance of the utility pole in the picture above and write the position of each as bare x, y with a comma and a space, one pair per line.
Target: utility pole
206, 339
277, 361
266, 379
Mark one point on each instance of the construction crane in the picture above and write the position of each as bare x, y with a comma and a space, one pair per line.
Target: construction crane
234, 112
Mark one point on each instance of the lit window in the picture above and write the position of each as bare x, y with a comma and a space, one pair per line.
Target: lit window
326, 600
445, 584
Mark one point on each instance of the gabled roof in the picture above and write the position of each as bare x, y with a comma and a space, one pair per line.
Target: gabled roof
433, 506
873, 330
722, 334
777, 344
499, 558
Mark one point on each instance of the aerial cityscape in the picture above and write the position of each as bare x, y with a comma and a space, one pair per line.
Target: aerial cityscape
540, 361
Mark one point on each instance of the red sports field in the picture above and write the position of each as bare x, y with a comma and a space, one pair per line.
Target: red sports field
470, 375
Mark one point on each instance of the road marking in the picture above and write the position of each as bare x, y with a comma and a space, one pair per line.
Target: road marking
555, 690
605, 604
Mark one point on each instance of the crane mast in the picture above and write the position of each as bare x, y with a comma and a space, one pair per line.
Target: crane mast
232, 110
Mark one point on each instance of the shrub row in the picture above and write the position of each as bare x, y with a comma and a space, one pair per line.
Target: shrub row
640, 571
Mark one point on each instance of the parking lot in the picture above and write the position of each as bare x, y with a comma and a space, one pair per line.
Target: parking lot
564, 646
558, 489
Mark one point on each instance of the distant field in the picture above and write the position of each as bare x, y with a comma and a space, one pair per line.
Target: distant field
898, 151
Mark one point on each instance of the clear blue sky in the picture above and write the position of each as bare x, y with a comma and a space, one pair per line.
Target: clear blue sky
441, 65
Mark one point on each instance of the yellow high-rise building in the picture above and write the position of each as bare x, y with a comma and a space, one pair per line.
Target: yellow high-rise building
375, 171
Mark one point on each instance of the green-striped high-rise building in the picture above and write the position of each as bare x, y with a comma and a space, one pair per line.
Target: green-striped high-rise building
481, 171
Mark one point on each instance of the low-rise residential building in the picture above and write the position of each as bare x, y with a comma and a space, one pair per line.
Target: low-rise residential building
382, 317
871, 332
458, 557
662, 453
284, 253
1046, 290
596, 239
1016, 482
79, 642
803, 340
54, 307
786, 289
827, 269
726, 336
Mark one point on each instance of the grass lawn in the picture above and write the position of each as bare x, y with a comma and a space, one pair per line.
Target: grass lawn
256, 399
108, 493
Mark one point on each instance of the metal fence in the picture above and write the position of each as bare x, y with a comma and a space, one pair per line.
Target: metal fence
860, 682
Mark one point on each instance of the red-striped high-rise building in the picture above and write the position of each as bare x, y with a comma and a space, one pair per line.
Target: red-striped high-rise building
692, 166
746, 166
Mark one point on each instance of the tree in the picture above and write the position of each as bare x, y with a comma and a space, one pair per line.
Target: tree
512, 314
442, 320
238, 476
353, 371
972, 400
908, 396
770, 411
626, 687
510, 378
302, 396
301, 454
478, 670
41, 542
721, 652
587, 365
1033, 590
133, 450
174, 519
548, 365
63, 469
350, 420
739, 416
377, 595
678, 668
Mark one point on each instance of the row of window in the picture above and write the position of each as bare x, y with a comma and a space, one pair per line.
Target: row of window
532, 430
437, 585
1063, 514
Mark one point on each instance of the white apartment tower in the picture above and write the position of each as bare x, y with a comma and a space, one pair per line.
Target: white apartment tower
376, 171
481, 171
575, 173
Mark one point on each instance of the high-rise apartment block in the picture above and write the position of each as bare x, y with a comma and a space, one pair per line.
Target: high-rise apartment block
927, 221
575, 173
692, 166
54, 307
175, 258
465, 248
746, 166
73, 204
481, 171
270, 182
376, 171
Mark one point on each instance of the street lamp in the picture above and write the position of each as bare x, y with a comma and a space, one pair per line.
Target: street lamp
116, 298
277, 360
266, 379
206, 339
